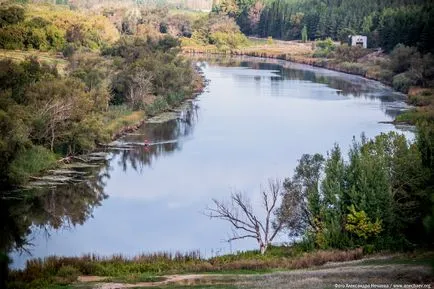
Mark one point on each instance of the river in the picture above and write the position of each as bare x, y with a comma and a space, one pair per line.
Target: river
254, 121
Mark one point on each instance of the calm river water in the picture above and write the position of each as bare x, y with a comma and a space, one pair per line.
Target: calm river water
254, 121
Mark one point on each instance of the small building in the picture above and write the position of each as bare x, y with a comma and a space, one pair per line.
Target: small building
358, 40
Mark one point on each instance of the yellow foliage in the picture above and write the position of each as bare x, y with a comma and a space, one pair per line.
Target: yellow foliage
358, 223
64, 19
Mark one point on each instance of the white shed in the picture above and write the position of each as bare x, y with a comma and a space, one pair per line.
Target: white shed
359, 40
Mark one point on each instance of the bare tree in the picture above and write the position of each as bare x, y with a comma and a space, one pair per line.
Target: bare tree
245, 223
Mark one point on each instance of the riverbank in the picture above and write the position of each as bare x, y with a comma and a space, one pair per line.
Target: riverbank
120, 120
368, 64
243, 270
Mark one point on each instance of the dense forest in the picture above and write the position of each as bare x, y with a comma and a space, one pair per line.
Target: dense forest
386, 23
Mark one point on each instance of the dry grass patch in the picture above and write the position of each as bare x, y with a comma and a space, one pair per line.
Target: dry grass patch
50, 58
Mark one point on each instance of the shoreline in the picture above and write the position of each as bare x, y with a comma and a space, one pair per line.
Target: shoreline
62, 174
313, 62
131, 128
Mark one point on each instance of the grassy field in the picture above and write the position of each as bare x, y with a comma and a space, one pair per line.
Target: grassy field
164, 269
411, 268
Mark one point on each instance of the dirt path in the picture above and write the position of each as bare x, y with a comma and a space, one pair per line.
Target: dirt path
346, 275
188, 279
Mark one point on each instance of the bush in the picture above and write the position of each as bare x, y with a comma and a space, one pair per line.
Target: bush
402, 82
350, 53
68, 274
11, 15
324, 48
326, 44
401, 58
12, 37
159, 105
69, 50
225, 41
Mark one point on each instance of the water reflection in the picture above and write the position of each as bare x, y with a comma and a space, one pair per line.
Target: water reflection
254, 123
346, 85
26, 213
166, 139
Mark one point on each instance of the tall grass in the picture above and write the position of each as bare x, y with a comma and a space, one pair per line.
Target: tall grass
161, 263
120, 116
30, 162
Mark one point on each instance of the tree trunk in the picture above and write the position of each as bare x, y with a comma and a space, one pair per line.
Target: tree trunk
52, 137
263, 248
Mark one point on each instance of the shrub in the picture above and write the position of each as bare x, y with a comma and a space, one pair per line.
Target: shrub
12, 37
11, 15
402, 82
225, 41
324, 48
350, 53
401, 58
386, 75
325, 44
68, 274
159, 105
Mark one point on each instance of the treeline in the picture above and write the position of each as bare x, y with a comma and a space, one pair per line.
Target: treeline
380, 197
386, 23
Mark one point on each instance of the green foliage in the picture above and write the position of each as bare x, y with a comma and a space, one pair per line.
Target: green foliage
40, 109
401, 58
11, 15
219, 30
350, 53
68, 274
304, 34
150, 68
386, 23
158, 105
225, 41
358, 223
383, 180
45, 29
324, 48
29, 162
402, 82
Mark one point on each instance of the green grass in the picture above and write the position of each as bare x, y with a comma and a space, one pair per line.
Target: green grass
30, 162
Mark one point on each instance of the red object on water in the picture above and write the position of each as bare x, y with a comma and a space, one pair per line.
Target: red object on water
146, 142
